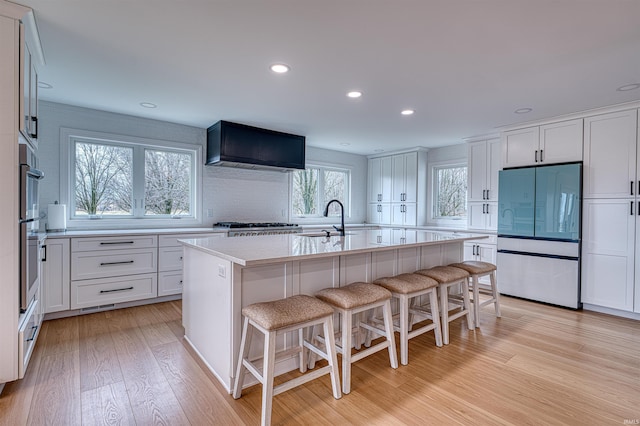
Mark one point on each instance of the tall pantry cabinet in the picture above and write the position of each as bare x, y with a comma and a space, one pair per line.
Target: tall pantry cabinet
611, 216
482, 184
397, 189
18, 331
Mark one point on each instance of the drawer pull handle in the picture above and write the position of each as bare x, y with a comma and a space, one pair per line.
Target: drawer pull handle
116, 263
33, 333
116, 289
111, 243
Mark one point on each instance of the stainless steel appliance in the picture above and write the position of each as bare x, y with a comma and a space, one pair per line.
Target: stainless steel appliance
241, 229
28, 221
539, 233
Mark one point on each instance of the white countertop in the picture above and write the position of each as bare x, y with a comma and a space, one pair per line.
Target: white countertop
258, 250
118, 232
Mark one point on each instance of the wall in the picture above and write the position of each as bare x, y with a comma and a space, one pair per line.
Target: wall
228, 193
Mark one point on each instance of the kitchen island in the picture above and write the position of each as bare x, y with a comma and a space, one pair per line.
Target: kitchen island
222, 275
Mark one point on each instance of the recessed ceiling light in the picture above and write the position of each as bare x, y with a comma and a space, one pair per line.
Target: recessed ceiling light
43, 85
523, 110
378, 150
345, 144
407, 112
148, 105
354, 94
280, 68
628, 87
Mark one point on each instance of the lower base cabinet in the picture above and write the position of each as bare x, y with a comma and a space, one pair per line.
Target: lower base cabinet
56, 275
105, 291
482, 252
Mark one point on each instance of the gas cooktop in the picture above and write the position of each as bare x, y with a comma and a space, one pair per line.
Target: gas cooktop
241, 225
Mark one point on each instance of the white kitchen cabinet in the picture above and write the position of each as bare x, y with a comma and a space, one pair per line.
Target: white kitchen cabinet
610, 155
105, 291
15, 327
29, 81
484, 164
56, 276
170, 258
608, 253
380, 170
404, 183
379, 213
403, 214
548, 144
397, 187
482, 216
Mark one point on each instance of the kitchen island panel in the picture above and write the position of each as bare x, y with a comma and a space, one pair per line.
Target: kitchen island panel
210, 293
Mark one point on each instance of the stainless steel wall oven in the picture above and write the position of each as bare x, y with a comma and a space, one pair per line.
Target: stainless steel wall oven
28, 221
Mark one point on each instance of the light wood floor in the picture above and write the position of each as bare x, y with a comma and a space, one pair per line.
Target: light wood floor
536, 365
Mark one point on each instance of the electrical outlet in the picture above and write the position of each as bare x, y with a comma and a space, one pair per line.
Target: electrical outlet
222, 271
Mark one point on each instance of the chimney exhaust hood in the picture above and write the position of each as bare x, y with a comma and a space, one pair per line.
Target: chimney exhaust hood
238, 145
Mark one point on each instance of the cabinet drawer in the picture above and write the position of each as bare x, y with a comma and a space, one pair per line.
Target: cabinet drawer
104, 291
27, 335
170, 259
172, 239
114, 243
112, 263
169, 283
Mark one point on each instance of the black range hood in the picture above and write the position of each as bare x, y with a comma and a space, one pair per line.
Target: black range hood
238, 145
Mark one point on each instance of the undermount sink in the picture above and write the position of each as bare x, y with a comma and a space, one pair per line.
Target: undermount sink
322, 234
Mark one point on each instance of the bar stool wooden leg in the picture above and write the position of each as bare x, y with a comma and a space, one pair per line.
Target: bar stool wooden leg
245, 344
467, 303
433, 300
444, 312
388, 326
494, 292
404, 329
268, 371
346, 351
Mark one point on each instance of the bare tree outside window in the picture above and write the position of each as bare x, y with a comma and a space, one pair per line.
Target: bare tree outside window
105, 183
334, 188
167, 183
103, 174
315, 186
305, 192
451, 192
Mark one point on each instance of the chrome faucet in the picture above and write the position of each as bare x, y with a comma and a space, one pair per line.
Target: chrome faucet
326, 213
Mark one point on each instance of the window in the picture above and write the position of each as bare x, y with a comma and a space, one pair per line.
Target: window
118, 178
315, 186
450, 192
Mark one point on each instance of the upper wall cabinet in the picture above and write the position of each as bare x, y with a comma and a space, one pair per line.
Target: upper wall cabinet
552, 143
31, 59
484, 164
380, 179
610, 155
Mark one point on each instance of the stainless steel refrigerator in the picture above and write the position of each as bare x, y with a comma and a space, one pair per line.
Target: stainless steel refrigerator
539, 224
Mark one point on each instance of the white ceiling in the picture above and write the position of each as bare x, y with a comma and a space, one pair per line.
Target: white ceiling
463, 65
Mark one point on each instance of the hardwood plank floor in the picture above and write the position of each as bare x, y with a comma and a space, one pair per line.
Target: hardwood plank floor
536, 365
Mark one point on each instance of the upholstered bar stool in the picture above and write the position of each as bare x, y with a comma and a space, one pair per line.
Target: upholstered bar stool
352, 300
476, 271
448, 277
406, 288
277, 317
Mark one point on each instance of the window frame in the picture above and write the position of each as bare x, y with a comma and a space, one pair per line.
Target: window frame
454, 222
322, 167
69, 136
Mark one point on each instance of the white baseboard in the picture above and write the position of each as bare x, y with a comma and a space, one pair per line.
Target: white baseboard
610, 311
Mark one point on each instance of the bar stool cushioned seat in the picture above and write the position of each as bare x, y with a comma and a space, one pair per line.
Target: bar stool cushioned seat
295, 313
284, 312
406, 288
477, 270
448, 277
350, 300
